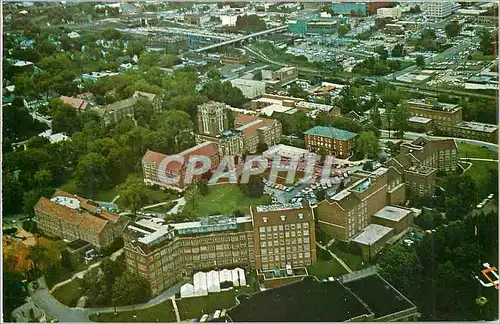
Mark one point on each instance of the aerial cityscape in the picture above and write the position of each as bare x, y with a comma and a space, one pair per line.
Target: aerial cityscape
265, 161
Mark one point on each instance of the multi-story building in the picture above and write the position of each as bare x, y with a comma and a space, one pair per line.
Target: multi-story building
439, 154
249, 88
280, 77
419, 162
348, 213
119, 110
284, 235
291, 105
332, 141
155, 172
79, 105
212, 118
165, 253
257, 130
478, 131
394, 13
70, 217
444, 116
438, 9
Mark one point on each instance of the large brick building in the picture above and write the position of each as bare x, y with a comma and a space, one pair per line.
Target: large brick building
157, 173
332, 141
165, 253
248, 131
420, 160
444, 116
348, 213
119, 110
283, 235
71, 217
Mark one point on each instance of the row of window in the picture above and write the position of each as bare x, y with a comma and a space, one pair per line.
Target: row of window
291, 241
280, 228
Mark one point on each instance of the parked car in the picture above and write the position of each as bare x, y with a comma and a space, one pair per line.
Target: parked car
490, 196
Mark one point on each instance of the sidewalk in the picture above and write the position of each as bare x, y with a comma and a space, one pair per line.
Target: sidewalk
335, 257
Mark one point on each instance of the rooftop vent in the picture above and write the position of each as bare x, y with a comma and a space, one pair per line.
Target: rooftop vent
264, 219
301, 216
283, 217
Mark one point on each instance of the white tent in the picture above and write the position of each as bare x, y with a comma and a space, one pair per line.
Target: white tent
225, 275
213, 283
241, 275
234, 275
187, 290
200, 284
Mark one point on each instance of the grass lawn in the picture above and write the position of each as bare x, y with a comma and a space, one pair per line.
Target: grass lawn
195, 307
225, 199
102, 195
479, 172
473, 151
69, 294
478, 56
354, 261
163, 312
326, 268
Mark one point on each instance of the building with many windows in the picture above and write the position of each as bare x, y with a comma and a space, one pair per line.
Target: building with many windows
444, 116
283, 235
478, 131
330, 140
257, 130
346, 214
212, 118
438, 9
71, 217
157, 171
164, 253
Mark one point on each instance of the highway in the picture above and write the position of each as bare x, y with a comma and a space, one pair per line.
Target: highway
241, 38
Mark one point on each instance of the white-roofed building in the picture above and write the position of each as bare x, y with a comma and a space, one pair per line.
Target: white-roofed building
200, 284
398, 218
236, 280
372, 239
250, 88
213, 283
187, 290
225, 275
241, 275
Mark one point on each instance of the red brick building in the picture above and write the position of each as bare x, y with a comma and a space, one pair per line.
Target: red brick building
153, 169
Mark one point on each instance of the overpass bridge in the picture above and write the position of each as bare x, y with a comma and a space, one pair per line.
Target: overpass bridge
239, 39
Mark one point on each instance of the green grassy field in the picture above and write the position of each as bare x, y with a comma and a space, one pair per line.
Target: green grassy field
326, 268
473, 151
480, 173
225, 199
69, 293
478, 56
163, 312
102, 195
354, 261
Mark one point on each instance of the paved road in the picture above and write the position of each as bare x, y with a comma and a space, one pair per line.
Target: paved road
176, 309
412, 135
177, 208
43, 299
477, 159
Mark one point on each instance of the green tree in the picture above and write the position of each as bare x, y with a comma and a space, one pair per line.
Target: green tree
261, 147
91, 174
64, 117
367, 144
486, 43
296, 91
343, 30
14, 293
130, 289
420, 61
382, 51
111, 34
202, 186
400, 117
398, 50
254, 188
250, 23
461, 196
133, 193
452, 29
12, 194
375, 116
143, 111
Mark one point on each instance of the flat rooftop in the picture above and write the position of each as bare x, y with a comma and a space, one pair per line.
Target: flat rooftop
278, 207
479, 127
392, 213
420, 120
307, 300
440, 106
371, 234
380, 296
285, 151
